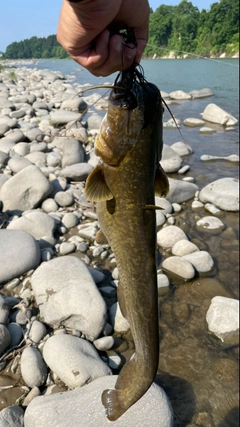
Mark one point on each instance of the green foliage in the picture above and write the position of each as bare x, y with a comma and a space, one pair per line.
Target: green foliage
183, 28
35, 48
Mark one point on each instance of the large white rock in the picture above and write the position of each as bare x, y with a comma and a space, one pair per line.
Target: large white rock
84, 407
74, 360
25, 190
179, 94
19, 253
67, 295
180, 267
180, 191
223, 193
168, 236
210, 224
171, 161
36, 223
201, 260
215, 114
201, 93
181, 148
33, 367
223, 318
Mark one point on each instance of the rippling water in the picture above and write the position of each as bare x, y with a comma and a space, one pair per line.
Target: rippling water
199, 374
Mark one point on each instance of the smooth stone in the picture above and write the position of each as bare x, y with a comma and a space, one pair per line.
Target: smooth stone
181, 148
49, 205
76, 172
164, 204
12, 123
25, 190
118, 322
6, 145
160, 218
201, 260
64, 198
94, 121
215, 114
18, 114
184, 169
72, 153
3, 128
17, 163
16, 136
4, 310
16, 334
96, 274
152, 409
88, 231
74, 360
192, 122
22, 148
176, 207
190, 179
40, 105
31, 395
223, 193
36, 157
22, 249
4, 157
212, 209
171, 161
184, 247
114, 360
104, 343
230, 158
168, 236
75, 103
179, 266
67, 248
70, 220
196, 205
5, 338
36, 223
85, 309
223, 319
201, 93
58, 184
179, 94
210, 224
33, 367
33, 134
61, 117
53, 159
180, 191
36, 331
12, 416
207, 130
163, 284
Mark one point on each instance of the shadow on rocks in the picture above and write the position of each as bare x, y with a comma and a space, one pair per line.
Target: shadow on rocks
232, 419
181, 396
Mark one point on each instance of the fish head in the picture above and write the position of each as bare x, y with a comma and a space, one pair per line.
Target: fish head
121, 126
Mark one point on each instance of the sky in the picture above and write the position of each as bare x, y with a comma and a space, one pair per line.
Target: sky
24, 19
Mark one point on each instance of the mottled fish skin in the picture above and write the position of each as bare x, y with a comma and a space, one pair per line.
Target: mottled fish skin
123, 185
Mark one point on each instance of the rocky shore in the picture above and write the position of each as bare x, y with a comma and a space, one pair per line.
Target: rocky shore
61, 328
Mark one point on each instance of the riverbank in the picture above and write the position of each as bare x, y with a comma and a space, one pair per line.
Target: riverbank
47, 239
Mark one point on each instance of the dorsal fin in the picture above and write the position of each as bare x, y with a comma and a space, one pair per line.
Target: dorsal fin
96, 189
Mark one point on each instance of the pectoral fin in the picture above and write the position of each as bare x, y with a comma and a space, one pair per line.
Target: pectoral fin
161, 182
96, 189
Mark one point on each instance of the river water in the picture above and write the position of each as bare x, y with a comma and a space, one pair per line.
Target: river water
199, 373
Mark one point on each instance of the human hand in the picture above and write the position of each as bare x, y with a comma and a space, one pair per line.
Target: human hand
83, 32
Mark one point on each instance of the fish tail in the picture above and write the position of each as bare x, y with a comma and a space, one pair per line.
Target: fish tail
112, 401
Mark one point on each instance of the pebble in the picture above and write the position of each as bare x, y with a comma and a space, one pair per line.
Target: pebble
12, 416
84, 404
223, 319
184, 169
223, 193
201, 260
5, 338
196, 205
210, 224
16, 333
182, 148
213, 113
180, 191
67, 248
70, 220
31, 395
104, 343
85, 309
118, 322
33, 367
179, 266
114, 360
36, 223
171, 161
184, 247
4, 311
193, 122
74, 360
163, 284
168, 236
36, 331
64, 198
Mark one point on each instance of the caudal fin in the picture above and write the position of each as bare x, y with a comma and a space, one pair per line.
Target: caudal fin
112, 402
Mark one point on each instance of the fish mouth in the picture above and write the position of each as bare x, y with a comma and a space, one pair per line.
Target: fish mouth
123, 98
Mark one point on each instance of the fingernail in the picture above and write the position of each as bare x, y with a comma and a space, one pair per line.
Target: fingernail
118, 47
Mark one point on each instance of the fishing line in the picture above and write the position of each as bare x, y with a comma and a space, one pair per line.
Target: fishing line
193, 54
